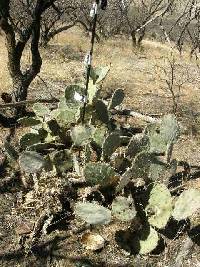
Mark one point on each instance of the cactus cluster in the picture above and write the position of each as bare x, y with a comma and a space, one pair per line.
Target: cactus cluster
108, 158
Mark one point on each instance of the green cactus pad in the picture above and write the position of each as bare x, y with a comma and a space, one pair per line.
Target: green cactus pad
63, 160
163, 134
29, 139
141, 165
65, 117
92, 213
99, 135
31, 162
40, 147
53, 127
81, 135
145, 241
123, 209
74, 94
187, 204
169, 128
98, 74
111, 143
87, 153
10, 151
101, 111
159, 206
117, 98
157, 169
28, 121
137, 144
41, 110
99, 173
92, 92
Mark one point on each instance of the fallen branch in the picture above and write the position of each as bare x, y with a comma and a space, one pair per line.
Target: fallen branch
138, 115
28, 102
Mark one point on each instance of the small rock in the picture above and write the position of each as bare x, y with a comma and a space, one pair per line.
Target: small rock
92, 241
24, 228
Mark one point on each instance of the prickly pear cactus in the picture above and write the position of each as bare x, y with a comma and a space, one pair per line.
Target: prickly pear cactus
123, 208
158, 169
11, 151
81, 135
187, 204
98, 135
92, 213
137, 144
159, 206
74, 95
141, 165
98, 74
31, 162
92, 92
66, 116
101, 111
40, 110
111, 143
145, 241
29, 121
163, 134
100, 173
117, 98
63, 160
29, 139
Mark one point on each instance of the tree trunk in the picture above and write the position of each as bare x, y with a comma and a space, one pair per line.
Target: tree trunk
134, 39
141, 37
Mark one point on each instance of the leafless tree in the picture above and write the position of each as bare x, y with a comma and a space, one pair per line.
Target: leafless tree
21, 21
57, 19
185, 28
173, 76
138, 14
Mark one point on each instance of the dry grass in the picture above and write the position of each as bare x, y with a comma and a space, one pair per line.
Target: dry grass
139, 73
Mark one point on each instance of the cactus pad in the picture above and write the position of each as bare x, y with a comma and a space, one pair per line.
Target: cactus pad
117, 98
31, 162
146, 240
28, 121
137, 144
63, 160
29, 139
98, 74
74, 95
41, 110
187, 204
81, 135
111, 143
163, 134
159, 206
123, 208
101, 111
99, 135
92, 213
100, 173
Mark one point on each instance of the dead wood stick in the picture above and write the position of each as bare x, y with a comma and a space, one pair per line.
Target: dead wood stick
28, 102
138, 115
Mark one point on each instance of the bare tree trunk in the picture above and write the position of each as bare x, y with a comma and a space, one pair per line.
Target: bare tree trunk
16, 46
141, 37
133, 38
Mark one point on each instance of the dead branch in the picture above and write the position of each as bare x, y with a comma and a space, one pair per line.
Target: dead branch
28, 102
138, 115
